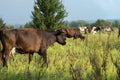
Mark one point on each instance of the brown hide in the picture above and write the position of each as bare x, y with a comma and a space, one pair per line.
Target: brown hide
29, 40
72, 32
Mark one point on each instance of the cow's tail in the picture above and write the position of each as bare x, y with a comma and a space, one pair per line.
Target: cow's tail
2, 44
1, 41
2, 56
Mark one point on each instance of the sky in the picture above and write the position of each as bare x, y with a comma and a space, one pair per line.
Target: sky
19, 11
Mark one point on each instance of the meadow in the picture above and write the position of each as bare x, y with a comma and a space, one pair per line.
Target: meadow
95, 58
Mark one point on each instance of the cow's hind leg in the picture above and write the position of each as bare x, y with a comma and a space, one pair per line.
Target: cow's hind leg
12, 53
30, 57
5, 55
29, 60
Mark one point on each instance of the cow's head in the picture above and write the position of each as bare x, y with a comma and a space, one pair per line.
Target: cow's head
72, 32
61, 37
78, 34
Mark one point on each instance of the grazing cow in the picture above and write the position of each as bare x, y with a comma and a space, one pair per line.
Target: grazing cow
88, 29
83, 29
95, 30
29, 40
107, 29
72, 32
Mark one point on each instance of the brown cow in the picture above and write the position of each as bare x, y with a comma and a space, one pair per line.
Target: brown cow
29, 40
107, 29
72, 32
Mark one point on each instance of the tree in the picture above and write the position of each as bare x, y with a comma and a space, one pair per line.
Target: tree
28, 25
99, 23
9, 26
2, 24
108, 23
83, 23
48, 14
116, 23
102, 23
74, 24
66, 24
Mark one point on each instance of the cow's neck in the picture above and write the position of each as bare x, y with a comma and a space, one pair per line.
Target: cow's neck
48, 41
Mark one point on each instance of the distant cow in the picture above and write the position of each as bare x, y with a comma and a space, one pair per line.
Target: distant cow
95, 30
89, 29
29, 40
107, 29
83, 30
72, 32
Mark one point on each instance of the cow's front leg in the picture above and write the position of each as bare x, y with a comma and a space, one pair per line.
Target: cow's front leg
44, 56
30, 57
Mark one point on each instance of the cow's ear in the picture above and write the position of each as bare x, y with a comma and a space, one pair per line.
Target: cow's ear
58, 32
64, 31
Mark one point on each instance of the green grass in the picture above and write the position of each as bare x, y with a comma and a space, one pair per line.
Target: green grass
95, 58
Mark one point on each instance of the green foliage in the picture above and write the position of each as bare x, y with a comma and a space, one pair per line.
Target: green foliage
116, 23
2, 24
102, 23
66, 24
9, 26
117, 46
48, 14
79, 23
95, 58
83, 23
74, 24
29, 25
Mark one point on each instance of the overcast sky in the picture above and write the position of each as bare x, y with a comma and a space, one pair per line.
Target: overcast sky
19, 11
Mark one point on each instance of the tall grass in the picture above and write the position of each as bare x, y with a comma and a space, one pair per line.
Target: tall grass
95, 58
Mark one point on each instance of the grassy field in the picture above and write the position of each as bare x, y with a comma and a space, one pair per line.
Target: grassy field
96, 58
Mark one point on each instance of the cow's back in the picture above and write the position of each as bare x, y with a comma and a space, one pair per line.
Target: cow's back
8, 38
28, 40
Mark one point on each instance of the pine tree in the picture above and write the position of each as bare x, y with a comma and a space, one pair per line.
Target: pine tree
48, 14
2, 24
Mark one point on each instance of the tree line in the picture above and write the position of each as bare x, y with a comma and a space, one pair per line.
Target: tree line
50, 14
78, 23
97, 23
